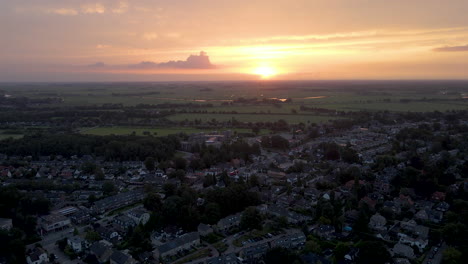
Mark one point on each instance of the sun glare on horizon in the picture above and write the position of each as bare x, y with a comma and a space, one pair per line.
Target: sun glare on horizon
265, 72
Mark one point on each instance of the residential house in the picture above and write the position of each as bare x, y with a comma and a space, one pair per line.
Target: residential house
403, 250
204, 229
254, 253
124, 221
54, 222
185, 242
139, 215
77, 243
224, 259
101, 251
118, 201
107, 233
119, 257
291, 216
37, 256
294, 240
227, 223
324, 231
6, 224
378, 222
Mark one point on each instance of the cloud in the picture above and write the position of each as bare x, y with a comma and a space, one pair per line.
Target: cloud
96, 8
201, 61
173, 35
150, 36
452, 49
121, 8
102, 46
97, 65
63, 11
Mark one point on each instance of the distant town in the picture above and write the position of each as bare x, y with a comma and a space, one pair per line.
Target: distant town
390, 187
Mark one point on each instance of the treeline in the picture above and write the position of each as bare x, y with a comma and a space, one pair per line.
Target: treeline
116, 148
23, 210
182, 207
209, 155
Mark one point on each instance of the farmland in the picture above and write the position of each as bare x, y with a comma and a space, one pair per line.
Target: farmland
169, 107
157, 132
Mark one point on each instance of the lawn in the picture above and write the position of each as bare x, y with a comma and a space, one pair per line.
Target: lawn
197, 255
4, 134
292, 119
158, 132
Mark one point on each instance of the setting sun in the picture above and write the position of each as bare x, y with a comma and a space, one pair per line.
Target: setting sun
265, 72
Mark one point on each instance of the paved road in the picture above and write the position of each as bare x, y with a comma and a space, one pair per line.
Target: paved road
438, 254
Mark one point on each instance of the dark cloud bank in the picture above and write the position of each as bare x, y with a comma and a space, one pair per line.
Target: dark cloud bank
201, 61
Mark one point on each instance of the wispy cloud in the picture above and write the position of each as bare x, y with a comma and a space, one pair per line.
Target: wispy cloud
63, 11
95, 8
150, 36
121, 8
452, 48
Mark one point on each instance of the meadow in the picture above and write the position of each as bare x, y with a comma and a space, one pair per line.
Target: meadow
290, 118
157, 132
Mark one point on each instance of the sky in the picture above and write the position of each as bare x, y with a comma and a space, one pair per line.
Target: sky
180, 40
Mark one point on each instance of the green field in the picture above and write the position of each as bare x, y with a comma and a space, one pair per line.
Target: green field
5, 133
350, 96
292, 119
160, 132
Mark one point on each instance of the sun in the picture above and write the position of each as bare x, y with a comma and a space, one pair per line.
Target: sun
265, 72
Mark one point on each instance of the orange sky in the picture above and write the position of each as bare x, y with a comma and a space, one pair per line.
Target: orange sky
57, 40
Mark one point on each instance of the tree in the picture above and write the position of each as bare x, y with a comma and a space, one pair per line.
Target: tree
452, 256
108, 188
251, 219
169, 189
152, 202
281, 256
279, 142
92, 236
180, 163
253, 181
373, 252
150, 163
455, 233
340, 250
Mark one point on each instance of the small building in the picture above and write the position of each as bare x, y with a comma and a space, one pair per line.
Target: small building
224, 259
250, 254
185, 242
204, 229
54, 222
77, 243
124, 221
101, 251
37, 256
227, 223
403, 250
140, 216
6, 224
378, 222
118, 257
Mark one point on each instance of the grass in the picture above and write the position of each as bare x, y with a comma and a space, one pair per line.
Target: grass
158, 132
197, 255
5, 134
221, 247
253, 234
118, 211
292, 119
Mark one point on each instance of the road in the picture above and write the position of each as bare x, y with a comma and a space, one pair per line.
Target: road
437, 258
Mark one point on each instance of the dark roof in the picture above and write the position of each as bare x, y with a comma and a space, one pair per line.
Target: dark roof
98, 249
119, 257
187, 238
